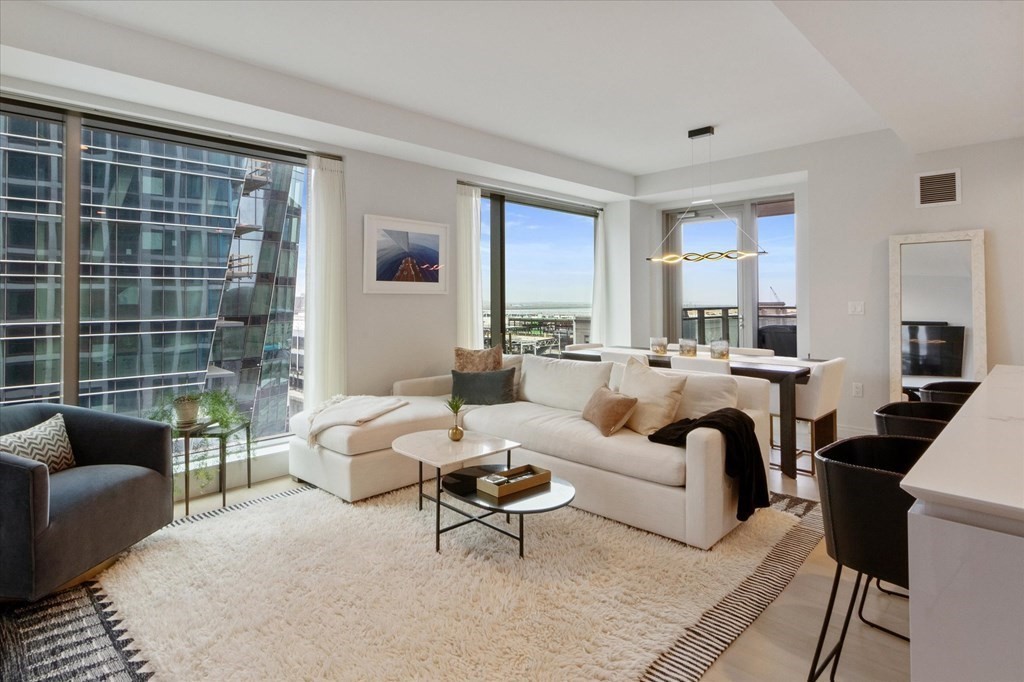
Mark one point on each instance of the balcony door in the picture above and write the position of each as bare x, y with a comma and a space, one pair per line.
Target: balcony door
735, 300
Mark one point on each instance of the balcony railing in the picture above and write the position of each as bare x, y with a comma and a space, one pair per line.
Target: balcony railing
540, 334
713, 322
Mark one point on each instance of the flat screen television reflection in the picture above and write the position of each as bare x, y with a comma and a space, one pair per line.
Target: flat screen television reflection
933, 349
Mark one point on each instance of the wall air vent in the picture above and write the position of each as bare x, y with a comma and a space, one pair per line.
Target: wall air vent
941, 188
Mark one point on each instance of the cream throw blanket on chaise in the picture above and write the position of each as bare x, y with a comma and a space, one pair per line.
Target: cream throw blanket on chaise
352, 410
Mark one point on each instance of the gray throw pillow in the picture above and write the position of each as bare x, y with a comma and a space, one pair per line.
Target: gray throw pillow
485, 388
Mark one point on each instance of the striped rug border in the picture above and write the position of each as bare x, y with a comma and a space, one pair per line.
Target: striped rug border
702, 643
219, 511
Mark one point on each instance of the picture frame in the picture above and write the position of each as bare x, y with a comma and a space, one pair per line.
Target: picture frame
403, 256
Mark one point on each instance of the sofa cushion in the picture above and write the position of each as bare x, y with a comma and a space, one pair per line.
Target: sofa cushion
486, 360
565, 434
608, 410
706, 393
566, 384
516, 363
46, 442
421, 414
657, 396
484, 388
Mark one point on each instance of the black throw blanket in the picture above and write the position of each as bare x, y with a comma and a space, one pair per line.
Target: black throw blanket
742, 453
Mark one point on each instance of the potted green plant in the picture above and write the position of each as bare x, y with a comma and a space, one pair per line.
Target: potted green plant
186, 409
454, 405
220, 407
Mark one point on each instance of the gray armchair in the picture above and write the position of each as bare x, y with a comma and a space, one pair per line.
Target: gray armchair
54, 528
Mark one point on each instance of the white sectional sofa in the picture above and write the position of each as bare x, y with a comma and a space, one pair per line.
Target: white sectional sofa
680, 493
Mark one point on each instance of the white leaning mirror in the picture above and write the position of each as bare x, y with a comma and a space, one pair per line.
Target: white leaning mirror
936, 309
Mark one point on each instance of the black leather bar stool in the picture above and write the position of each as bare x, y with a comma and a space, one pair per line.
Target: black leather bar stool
948, 391
865, 518
923, 420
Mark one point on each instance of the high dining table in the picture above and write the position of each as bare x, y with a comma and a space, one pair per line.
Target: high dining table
786, 376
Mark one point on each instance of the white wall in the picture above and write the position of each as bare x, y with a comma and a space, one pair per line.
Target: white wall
395, 336
859, 191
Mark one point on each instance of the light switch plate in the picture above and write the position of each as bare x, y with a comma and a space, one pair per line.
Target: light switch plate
855, 307
858, 389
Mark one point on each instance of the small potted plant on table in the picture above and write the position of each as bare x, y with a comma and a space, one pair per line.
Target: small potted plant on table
454, 405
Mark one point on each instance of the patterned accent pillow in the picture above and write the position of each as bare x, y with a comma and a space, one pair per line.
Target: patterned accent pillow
486, 360
46, 442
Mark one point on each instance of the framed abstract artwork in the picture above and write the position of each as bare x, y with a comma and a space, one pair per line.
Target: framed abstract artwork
404, 256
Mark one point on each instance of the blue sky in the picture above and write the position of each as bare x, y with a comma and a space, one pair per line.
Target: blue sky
714, 283
549, 254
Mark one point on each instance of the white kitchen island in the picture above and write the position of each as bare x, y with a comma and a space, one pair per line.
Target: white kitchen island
966, 534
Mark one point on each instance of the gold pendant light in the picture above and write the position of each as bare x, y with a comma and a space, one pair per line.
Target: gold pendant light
730, 254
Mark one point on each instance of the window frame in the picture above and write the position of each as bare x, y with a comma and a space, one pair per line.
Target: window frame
747, 273
499, 198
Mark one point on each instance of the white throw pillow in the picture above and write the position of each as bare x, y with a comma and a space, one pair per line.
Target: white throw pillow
657, 395
567, 384
706, 393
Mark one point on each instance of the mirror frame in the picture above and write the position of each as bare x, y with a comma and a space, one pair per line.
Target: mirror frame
979, 341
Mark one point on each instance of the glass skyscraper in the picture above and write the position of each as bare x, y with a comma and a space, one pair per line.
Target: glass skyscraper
188, 265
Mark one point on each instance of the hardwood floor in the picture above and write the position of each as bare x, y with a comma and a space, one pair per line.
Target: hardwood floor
779, 645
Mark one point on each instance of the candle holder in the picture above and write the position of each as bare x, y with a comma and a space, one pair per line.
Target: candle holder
720, 350
688, 347
659, 345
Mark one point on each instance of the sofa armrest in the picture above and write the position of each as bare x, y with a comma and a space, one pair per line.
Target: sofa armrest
762, 427
439, 385
710, 494
103, 438
24, 514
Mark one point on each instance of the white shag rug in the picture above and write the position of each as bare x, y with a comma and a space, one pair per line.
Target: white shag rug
306, 586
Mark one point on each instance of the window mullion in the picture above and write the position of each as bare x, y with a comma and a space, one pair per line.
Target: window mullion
71, 246
498, 325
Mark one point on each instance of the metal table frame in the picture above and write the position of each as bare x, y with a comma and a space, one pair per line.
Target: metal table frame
208, 430
470, 518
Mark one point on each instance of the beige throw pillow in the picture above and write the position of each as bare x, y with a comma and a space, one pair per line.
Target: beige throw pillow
608, 410
706, 393
46, 442
486, 360
657, 396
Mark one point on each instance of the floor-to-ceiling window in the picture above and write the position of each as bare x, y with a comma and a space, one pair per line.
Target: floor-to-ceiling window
748, 302
188, 266
537, 267
31, 236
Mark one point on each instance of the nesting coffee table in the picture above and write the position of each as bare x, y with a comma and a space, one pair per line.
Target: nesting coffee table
437, 450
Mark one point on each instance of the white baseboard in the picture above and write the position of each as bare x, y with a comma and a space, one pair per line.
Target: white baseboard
268, 461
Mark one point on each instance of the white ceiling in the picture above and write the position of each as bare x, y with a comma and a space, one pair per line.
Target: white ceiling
618, 84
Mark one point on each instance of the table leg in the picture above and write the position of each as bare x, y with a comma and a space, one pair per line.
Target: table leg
248, 456
419, 497
508, 518
521, 535
223, 473
787, 425
186, 439
437, 524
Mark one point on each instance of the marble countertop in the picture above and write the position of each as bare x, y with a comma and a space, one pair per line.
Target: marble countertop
977, 462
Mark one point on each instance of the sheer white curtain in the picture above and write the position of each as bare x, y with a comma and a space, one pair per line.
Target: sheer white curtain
469, 331
325, 351
599, 304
